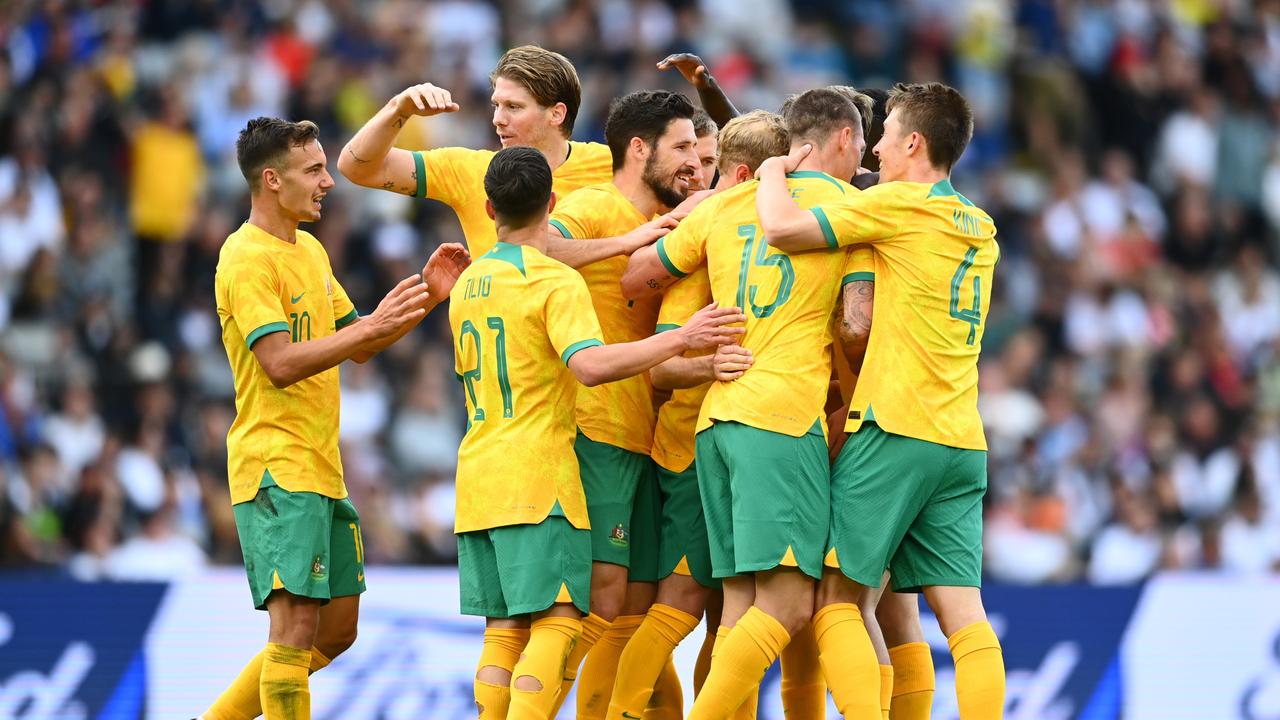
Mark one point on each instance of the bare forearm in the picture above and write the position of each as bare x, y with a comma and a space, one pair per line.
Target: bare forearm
608, 363
645, 275
579, 253
365, 159
373, 347
682, 372
289, 362
716, 103
787, 226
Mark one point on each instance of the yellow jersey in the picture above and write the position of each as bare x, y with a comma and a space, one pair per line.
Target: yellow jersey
673, 438
618, 413
935, 256
789, 301
517, 318
265, 285
455, 177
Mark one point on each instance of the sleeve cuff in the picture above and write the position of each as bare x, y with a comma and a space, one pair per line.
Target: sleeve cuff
858, 277
666, 261
580, 345
825, 224
560, 226
421, 166
347, 319
265, 330
663, 327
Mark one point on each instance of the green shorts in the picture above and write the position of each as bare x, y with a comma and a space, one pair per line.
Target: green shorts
912, 506
683, 544
623, 506
520, 569
300, 542
767, 498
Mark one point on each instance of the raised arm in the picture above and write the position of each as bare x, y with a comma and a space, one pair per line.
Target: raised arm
577, 253
440, 273
707, 329
786, 224
369, 158
713, 99
285, 362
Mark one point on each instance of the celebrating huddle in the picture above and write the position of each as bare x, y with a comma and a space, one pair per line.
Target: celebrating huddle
705, 375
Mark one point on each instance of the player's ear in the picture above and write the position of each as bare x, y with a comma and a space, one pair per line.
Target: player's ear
846, 136
551, 204
270, 178
488, 209
638, 148
742, 173
558, 113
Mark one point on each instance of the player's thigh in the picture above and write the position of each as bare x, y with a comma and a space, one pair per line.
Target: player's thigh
943, 545
717, 501
683, 547
879, 484
646, 528
610, 477
543, 564
338, 623
781, 489
285, 539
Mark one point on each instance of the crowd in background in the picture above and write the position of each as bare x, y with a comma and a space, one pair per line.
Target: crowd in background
1128, 150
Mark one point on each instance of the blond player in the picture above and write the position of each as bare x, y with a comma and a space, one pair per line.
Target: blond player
536, 96
525, 334
908, 484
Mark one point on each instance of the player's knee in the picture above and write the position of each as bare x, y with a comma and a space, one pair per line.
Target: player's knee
494, 675
528, 683
835, 589
336, 642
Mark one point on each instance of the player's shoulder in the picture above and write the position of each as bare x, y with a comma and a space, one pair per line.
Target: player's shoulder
244, 246
461, 155
823, 184
592, 156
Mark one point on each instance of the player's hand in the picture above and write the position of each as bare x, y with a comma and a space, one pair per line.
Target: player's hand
443, 268
648, 233
690, 66
788, 162
730, 362
407, 302
682, 210
709, 327
425, 99
836, 436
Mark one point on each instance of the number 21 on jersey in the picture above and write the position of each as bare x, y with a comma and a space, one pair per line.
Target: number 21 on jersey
470, 335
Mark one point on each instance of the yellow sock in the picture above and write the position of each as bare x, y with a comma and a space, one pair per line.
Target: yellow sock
979, 672
502, 647
743, 657
747, 710
242, 700
703, 666
667, 701
535, 680
593, 628
646, 655
286, 694
848, 661
886, 690
804, 692
913, 681
595, 682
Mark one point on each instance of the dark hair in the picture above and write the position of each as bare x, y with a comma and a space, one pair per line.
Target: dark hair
264, 142
814, 114
703, 125
518, 183
644, 114
548, 76
939, 113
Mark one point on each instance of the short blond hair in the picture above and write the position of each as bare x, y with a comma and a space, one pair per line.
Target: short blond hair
548, 76
752, 138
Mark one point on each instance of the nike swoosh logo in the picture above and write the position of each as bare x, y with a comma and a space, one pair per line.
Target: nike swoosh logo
630, 716
360, 577
294, 300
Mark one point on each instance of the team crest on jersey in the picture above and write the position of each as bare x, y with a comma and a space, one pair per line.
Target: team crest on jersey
318, 570
619, 536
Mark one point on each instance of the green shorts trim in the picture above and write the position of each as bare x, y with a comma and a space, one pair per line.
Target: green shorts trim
610, 478
301, 542
683, 544
912, 506
520, 569
766, 496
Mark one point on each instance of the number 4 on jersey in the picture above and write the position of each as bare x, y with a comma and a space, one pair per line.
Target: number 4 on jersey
971, 315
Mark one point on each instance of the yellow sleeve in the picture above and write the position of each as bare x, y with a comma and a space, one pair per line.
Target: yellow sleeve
682, 300
859, 264
684, 249
344, 311
449, 174
576, 217
872, 215
570, 317
253, 299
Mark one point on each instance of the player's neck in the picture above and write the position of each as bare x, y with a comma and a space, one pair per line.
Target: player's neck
274, 222
556, 150
818, 161
535, 236
631, 184
924, 173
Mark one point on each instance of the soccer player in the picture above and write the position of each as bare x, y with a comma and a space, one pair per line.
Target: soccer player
761, 447
915, 460
651, 136
708, 149
525, 335
684, 557
286, 325
536, 95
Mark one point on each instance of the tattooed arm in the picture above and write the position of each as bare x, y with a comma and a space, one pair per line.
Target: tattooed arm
369, 158
855, 320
